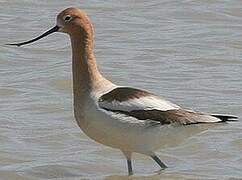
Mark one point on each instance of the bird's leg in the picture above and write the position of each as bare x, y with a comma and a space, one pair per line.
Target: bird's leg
157, 159
129, 162
130, 170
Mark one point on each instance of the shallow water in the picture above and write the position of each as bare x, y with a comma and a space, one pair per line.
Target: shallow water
188, 51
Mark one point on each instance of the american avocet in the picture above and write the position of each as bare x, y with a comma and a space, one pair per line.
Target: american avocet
132, 120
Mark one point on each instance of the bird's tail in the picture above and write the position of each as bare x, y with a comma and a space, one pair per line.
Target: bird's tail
225, 117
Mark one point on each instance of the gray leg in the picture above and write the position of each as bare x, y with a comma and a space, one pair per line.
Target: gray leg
130, 170
129, 163
161, 164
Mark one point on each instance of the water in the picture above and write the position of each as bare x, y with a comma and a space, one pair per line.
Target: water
187, 51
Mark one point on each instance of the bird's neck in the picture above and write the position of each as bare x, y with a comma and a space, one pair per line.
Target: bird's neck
85, 73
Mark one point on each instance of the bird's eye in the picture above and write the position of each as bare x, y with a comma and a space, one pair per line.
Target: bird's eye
67, 18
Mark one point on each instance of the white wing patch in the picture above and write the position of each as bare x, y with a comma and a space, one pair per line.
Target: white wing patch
142, 103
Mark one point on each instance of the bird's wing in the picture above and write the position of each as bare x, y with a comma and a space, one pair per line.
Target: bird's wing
146, 106
128, 99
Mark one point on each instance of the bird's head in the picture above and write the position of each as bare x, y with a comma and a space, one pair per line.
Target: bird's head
72, 21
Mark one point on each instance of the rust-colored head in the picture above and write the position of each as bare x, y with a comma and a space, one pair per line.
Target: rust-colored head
72, 21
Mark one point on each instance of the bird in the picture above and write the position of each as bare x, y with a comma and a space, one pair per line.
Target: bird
130, 119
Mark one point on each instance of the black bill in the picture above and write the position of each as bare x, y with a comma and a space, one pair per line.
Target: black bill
54, 29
